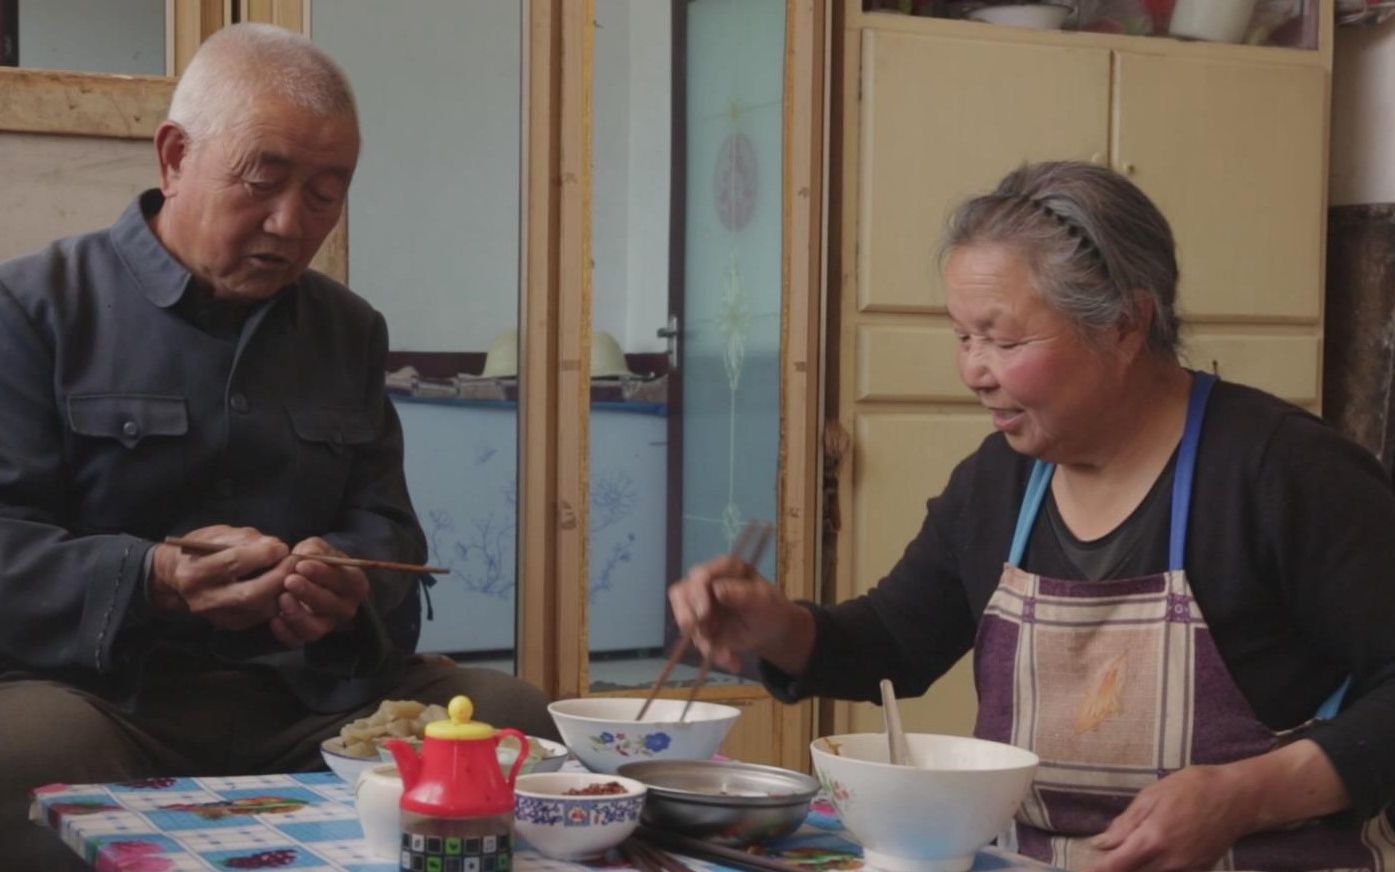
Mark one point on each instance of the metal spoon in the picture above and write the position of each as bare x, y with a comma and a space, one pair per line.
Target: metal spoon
899, 751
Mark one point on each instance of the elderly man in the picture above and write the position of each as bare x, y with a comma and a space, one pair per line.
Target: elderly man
181, 372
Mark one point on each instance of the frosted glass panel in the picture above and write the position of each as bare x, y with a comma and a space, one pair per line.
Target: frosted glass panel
731, 387
716, 421
94, 36
434, 245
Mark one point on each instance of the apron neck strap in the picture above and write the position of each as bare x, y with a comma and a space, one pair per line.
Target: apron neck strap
1040, 480
1185, 473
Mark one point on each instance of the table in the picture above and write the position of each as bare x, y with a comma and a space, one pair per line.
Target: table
307, 821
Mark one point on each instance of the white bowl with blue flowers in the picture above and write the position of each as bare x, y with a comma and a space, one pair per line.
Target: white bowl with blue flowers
603, 732
574, 827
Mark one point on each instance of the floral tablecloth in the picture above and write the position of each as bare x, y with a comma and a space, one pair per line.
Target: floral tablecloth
307, 821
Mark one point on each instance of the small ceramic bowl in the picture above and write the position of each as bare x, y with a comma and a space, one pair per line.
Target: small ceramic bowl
1038, 16
574, 827
343, 764
603, 732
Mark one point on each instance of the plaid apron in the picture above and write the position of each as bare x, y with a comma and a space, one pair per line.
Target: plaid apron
1115, 683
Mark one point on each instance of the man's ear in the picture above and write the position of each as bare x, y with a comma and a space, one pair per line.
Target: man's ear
171, 149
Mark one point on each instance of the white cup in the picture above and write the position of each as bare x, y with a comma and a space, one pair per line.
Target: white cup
1212, 20
377, 795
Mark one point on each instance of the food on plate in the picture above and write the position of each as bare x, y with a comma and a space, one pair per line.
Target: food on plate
607, 788
394, 719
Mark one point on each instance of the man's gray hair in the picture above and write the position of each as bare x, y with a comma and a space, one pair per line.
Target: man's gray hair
1093, 241
244, 62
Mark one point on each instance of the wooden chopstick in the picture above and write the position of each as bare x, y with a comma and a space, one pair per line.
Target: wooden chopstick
697, 685
750, 545
664, 860
632, 853
714, 852
198, 546
678, 650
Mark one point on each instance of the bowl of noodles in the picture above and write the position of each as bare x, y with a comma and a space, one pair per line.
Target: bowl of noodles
359, 745
355, 749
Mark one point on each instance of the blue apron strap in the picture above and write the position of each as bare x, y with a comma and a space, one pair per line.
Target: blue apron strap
1328, 710
1183, 475
1031, 503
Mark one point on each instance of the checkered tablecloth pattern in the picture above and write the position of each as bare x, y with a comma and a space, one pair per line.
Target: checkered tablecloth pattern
307, 821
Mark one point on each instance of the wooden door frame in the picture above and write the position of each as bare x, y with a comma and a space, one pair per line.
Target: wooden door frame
554, 422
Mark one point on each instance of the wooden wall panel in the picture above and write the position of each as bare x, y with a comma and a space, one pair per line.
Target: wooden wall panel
83, 104
61, 185
909, 362
1286, 366
901, 460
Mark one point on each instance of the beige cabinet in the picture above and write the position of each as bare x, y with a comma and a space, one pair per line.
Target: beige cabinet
1233, 154
1229, 140
944, 118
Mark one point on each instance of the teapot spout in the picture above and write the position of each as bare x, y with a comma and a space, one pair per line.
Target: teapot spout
408, 761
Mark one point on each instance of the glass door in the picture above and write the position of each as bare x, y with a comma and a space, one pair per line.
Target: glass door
685, 344
691, 215
433, 227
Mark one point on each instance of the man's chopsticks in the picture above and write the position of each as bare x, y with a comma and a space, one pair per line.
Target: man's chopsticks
198, 546
711, 851
749, 547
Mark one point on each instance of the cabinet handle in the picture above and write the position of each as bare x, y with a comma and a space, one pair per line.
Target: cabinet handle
1130, 169
1097, 158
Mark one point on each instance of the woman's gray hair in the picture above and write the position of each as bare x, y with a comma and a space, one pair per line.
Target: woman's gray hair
244, 62
1094, 242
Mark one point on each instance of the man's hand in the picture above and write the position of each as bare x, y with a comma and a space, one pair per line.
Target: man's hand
317, 598
233, 589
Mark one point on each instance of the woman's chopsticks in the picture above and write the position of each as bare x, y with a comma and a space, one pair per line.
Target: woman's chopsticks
198, 546
749, 547
647, 858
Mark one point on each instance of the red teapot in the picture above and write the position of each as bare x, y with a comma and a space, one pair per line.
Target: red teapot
456, 803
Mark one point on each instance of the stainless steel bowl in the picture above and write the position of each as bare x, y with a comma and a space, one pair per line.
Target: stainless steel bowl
725, 802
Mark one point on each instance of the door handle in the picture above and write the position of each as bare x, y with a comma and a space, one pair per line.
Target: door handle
670, 333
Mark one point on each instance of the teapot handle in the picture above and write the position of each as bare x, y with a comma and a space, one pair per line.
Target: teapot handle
522, 753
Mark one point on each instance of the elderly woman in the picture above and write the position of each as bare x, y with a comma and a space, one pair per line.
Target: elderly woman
1193, 568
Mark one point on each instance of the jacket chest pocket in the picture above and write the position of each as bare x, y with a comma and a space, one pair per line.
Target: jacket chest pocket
129, 453
327, 442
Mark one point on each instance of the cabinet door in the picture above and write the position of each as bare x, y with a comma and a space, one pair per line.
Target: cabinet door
944, 118
1235, 155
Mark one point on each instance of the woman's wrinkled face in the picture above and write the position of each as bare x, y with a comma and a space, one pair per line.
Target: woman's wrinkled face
1047, 388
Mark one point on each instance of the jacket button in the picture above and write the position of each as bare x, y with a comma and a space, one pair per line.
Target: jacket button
131, 428
238, 403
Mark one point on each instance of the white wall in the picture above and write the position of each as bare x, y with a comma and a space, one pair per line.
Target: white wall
1363, 116
631, 159
434, 207
100, 36
610, 158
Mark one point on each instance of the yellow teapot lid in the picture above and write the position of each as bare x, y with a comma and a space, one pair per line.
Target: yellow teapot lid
459, 726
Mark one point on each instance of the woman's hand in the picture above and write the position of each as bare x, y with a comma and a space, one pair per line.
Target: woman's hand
730, 610
1190, 818
319, 597
1185, 821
